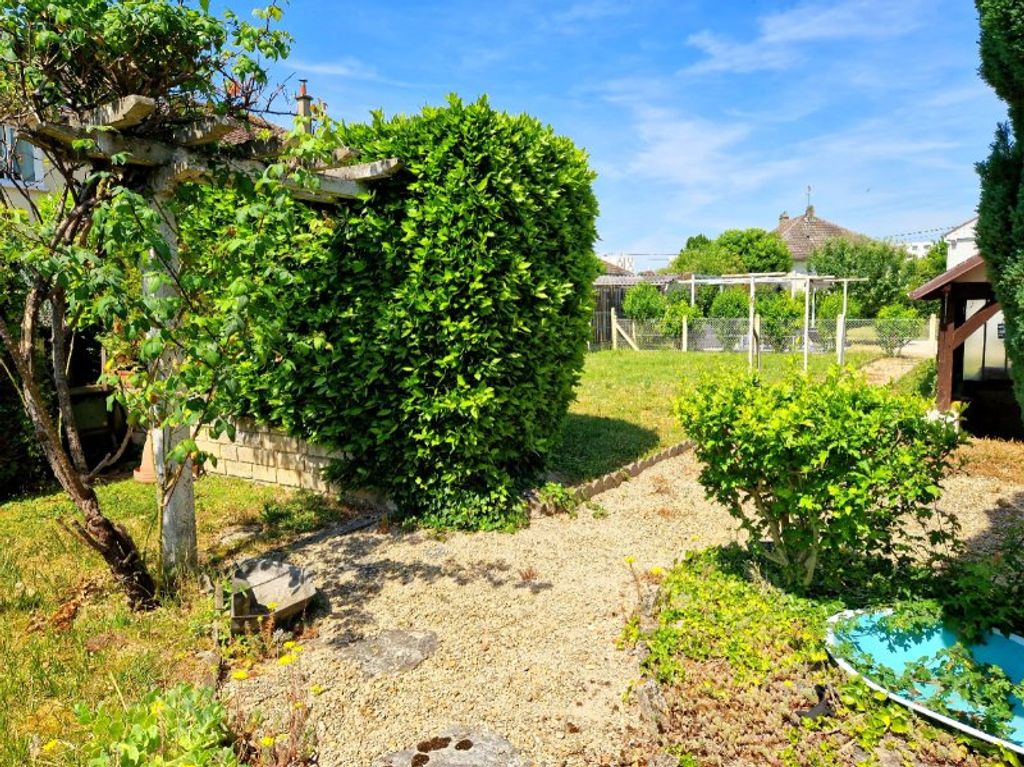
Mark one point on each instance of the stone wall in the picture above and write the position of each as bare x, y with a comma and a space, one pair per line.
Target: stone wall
261, 454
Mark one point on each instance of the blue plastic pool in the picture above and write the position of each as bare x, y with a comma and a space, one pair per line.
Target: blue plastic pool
895, 651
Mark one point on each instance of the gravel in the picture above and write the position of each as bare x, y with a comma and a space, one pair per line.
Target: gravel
525, 624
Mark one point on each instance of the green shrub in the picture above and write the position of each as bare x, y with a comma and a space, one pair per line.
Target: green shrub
438, 340
831, 472
828, 310
182, 725
781, 317
678, 308
897, 326
731, 303
644, 302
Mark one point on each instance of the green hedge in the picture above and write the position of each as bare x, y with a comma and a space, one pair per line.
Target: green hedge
439, 339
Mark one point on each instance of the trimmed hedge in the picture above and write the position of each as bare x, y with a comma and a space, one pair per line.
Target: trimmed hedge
439, 340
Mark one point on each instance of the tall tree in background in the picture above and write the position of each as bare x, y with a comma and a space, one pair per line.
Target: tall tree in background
1000, 230
886, 267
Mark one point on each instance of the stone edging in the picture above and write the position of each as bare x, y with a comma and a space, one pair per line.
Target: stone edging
610, 480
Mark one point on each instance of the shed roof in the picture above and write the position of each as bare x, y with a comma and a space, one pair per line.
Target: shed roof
933, 288
628, 280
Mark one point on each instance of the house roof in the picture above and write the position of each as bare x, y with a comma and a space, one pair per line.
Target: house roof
612, 268
803, 234
933, 288
971, 220
628, 280
250, 129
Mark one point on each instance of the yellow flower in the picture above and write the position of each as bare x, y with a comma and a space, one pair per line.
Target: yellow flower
271, 605
157, 708
286, 659
694, 537
290, 644
316, 689
266, 741
49, 746
281, 738
630, 559
240, 674
657, 572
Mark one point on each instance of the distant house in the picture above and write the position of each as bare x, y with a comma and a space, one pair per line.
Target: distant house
803, 234
612, 268
21, 162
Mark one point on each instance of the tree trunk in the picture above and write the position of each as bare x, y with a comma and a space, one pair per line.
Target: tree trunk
112, 541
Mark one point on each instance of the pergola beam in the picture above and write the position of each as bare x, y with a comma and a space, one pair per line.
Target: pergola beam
123, 113
367, 171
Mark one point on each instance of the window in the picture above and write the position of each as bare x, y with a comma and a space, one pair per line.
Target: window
17, 156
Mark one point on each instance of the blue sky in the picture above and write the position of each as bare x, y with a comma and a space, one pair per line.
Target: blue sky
698, 116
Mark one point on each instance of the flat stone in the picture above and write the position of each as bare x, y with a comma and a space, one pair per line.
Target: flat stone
653, 706
662, 759
391, 651
238, 535
457, 747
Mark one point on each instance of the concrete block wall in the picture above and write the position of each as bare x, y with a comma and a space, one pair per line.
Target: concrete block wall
267, 456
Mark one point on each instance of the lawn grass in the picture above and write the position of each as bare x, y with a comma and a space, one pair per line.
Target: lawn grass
623, 407
107, 653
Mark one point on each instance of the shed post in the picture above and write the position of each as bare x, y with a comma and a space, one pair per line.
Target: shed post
615, 330
686, 333
841, 339
693, 290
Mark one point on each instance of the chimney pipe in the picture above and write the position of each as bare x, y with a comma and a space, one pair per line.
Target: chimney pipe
810, 213
305, 107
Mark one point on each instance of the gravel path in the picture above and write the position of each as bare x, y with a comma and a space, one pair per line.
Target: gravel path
523, 626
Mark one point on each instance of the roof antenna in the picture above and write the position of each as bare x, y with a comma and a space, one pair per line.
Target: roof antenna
808, 195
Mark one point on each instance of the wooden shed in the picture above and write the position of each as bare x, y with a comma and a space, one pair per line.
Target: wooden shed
972, 366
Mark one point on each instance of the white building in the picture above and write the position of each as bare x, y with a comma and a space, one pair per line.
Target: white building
917, 249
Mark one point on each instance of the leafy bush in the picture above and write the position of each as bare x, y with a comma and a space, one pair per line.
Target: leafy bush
897, 326
781, 317
644, 302
182, 725
438, 340
830, 472
732, 303
827, 315
675, 312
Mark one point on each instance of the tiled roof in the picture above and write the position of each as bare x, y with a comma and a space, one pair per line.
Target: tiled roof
803, 234
251, 129
610, 268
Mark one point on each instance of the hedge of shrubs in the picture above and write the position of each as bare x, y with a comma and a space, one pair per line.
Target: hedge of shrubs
436, 331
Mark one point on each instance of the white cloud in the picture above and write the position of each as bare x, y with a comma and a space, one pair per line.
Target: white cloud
776, 46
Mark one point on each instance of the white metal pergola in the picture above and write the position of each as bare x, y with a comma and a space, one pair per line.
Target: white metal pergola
810, 283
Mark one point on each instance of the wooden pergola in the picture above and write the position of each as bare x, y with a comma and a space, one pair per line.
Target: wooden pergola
120, 133
967, 281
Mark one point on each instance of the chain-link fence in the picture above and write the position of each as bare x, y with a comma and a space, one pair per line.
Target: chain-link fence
712, 334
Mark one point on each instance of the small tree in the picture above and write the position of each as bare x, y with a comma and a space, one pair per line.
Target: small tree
897, 326
644, 302
885, 266
831, 473
757, 249
64, 67
708, 258
731, 303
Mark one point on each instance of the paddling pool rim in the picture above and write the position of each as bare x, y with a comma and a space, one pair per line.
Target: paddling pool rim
831, 645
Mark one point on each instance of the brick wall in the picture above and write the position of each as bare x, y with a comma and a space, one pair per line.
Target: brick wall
261, 454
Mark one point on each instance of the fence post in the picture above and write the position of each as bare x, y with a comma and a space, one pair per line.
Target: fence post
933, 328
615, 331
841, 339
686, 333
807, 322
